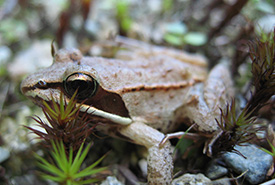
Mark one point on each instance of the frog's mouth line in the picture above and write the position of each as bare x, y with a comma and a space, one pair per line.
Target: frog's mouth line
37, 99
112, 117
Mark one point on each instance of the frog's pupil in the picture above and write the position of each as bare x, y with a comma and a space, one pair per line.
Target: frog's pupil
83, 84
83, 87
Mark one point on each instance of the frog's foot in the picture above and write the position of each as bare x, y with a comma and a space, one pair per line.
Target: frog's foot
209, 144
160, 163
179, 135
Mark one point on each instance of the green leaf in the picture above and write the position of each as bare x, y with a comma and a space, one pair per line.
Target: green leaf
126, 24
43, 164
180, 142
77, 163
184, 144
122, 8
70, 162
69, 109
173, 39
195, 38
89, 171
53, 178
176, 28
49, 110
82, 156
56, 107
267, 151
167, 5
69, 171
61, 106
59, 155
272, 148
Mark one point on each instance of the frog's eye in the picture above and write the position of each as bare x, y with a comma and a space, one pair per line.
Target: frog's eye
85, 85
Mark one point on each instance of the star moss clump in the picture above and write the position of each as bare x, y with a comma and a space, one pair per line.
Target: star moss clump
65, 168
237, 127
63, 123
262, 55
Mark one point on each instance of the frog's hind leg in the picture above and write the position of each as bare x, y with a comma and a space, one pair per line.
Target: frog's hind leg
218, 88
204, 101
218, 92
160, 163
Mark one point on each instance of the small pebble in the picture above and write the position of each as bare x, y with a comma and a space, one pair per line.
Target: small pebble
223, 181
4, 154
192, 179
143, 166
215, 171
111, 180
257, 162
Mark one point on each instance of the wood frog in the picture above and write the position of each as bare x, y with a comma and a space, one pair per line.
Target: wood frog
144, 92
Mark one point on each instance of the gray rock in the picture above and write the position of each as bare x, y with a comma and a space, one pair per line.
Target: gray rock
224, 181
30, 179
215, 171
257, 162
192, 179
111, 180
4, 154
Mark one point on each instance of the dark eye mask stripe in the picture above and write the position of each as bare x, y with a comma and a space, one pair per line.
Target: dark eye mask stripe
37, 86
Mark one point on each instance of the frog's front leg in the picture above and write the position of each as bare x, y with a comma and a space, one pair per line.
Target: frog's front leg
160, 163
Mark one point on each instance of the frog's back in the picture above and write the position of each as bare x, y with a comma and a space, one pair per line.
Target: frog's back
144, 70
152, 86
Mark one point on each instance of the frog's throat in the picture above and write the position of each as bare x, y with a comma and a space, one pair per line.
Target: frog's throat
112, 117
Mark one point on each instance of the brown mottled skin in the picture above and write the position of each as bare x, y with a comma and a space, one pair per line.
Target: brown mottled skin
156, 88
